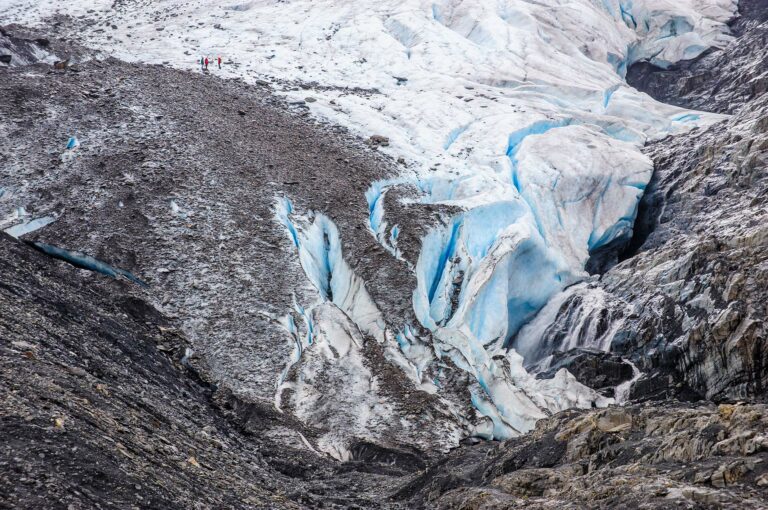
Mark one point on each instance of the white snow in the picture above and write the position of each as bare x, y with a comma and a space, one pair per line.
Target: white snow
515, 110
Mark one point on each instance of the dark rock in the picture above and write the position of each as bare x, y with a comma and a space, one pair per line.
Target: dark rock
596, 369
99, 412
589, 450
378, 141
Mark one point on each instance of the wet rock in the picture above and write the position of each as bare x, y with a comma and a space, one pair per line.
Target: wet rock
596, 369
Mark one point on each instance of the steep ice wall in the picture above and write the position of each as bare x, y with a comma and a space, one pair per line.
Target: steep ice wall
515, 112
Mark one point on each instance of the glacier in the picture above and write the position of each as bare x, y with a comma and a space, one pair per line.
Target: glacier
514, 113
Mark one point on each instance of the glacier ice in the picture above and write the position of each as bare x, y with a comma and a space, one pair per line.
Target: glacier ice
376, 223
320, 255
515, 112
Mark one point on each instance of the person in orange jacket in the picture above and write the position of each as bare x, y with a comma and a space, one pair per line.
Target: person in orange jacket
219, 60
206, 63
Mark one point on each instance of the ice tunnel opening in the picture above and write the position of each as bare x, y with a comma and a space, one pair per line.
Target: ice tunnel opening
649, 210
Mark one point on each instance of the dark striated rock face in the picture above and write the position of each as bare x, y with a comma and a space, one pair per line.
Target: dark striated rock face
597, 369
101, 405
96, 404
706, 258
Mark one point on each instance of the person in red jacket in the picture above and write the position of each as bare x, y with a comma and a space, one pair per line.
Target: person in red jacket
219, 60
206, 63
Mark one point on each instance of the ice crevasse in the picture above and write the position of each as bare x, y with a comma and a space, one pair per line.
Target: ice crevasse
515, 112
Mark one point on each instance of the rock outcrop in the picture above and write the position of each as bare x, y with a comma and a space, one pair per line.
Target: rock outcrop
597, 369
663, 455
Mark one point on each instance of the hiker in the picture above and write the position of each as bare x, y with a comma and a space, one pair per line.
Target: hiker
202, 63
206, 63
219, 60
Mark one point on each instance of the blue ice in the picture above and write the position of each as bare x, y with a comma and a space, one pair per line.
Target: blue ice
626, 14
453, 136
375, 198
84, 261
513, 146
320, 254
374, 195
686, 117
284, 210
521, 282
608, 94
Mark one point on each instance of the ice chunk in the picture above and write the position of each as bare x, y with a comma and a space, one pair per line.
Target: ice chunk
29, 226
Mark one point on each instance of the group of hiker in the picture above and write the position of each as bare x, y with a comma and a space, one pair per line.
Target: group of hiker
204, 62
